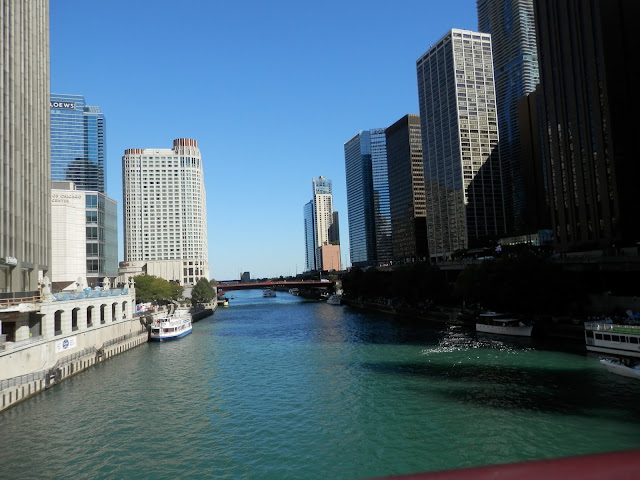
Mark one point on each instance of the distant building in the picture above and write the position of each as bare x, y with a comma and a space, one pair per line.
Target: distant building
334, 230
78, 142
515, 61
165, 219
369, 212
309, 238
318, 222
330, 257
78, 155
458, 118
406, 190
245, 277
589, 90
84, 236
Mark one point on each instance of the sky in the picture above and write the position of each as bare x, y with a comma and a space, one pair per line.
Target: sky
270, 90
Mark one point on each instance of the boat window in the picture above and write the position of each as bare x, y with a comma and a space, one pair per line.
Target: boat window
633, 339
598, 336
615, 338
606, 337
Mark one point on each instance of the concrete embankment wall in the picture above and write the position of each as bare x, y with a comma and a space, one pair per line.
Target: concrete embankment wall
17, 389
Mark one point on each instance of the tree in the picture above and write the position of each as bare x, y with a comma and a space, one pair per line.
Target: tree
202, 292
150, 288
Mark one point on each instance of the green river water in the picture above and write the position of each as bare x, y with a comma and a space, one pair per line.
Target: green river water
274, 388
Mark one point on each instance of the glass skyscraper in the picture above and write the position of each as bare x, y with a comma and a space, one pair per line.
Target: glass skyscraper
309, 235
458, 118
515, 62
369, 211
78, 155
78, 149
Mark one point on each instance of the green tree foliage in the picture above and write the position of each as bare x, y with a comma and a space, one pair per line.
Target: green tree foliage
202, 292
150, 288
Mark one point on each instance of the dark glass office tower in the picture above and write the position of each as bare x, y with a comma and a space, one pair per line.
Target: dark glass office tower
515, 62
369, 211
406, 190
588, 51
78, 150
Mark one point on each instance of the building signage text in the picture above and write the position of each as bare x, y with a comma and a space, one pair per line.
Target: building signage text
64, 105
65, 197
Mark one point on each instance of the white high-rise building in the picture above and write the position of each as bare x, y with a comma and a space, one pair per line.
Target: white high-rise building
318, 220
165, 215
459, 122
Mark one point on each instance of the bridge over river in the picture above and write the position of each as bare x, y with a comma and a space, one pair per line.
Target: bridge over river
278, 285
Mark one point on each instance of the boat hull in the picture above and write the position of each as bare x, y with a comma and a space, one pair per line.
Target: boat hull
170, 337
518, 331
620, 369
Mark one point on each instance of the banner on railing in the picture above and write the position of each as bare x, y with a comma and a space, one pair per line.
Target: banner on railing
66, 344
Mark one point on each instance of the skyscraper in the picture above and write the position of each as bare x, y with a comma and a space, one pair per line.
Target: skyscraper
515, 61
459, 126
165, 219
78, 155
25, 153
309, 238
78, 145
406, 190
319, 217
589, 88
368, 205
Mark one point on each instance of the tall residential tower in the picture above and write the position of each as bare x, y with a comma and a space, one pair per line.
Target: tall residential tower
165, 216
322, 247
459, 125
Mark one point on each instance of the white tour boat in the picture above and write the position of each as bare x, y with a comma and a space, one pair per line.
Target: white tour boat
334, 300
171, 326
621, 367
623, 340
498, 323
268, 292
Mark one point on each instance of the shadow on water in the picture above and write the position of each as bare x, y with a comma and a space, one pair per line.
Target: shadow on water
573, 391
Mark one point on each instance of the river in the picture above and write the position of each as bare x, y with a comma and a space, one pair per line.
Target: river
274, 388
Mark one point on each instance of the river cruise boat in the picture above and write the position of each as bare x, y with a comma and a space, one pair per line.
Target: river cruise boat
621, 340
268, 292
501, 324
171, 326
294, 291
334, 300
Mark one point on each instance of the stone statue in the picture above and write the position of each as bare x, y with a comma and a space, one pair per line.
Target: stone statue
46, 288
106, 284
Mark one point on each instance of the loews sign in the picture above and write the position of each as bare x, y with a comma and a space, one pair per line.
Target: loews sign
64, 105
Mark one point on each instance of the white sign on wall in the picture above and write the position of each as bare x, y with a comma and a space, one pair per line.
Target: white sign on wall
66, 344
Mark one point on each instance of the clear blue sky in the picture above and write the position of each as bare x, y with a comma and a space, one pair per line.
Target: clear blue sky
271, 91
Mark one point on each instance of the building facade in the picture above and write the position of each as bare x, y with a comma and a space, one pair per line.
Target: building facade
369, 213
25, 153
459, 126
515, 62
406, 190
318, 222
309, 238
589, 90
165, 216
78, 143
78, 159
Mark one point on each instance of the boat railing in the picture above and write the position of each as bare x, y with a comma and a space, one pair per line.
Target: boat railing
612, 327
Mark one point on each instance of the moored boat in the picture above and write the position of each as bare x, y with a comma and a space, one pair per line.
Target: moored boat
500, 324
171, 326
623, 340
268, 292
334, 300
294, 291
